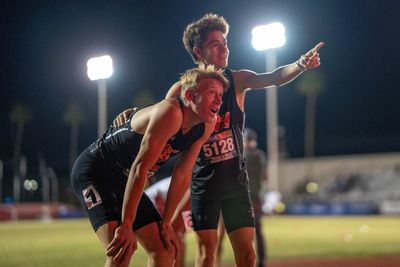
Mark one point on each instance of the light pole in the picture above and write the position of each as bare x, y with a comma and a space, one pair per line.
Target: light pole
265, 38
100, 69
1, 182
54, 184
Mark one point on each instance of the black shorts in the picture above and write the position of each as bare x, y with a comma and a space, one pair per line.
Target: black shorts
237, 213
101, 192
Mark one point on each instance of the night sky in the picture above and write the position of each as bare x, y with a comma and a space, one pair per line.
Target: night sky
45, 46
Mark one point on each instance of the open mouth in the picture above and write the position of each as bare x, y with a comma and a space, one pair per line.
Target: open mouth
214, 110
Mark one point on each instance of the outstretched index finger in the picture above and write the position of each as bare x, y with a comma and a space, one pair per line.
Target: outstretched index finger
317, 47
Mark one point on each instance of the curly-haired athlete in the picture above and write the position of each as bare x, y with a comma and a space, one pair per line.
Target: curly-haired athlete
220, 182
109, 176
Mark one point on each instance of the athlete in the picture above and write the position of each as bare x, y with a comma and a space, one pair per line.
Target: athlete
220, 182
109, 176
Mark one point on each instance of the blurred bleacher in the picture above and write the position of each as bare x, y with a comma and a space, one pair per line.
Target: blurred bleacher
356, 184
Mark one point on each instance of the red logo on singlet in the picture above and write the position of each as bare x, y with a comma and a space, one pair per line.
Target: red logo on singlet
222, 122
166, 153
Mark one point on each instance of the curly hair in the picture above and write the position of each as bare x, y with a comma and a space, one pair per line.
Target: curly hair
196, 32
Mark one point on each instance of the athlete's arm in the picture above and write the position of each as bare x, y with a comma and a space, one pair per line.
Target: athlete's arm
246, 79
180, 180
165, 121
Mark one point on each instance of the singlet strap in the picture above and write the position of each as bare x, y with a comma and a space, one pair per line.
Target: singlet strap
180, 101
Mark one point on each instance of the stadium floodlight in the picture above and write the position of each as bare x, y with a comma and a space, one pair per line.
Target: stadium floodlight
266, 38
100, 69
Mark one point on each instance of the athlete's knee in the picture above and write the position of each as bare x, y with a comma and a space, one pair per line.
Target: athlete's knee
206, 253
205, 258
250, 257
247, 257
162, 257
208, 245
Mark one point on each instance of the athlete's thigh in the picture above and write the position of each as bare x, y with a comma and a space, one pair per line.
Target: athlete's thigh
242, 239
106, 232
207, 238
149, 237
146, 213
91, 184
237, 212
205, 213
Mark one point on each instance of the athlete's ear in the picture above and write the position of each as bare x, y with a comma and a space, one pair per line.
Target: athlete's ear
197, 52
189, 95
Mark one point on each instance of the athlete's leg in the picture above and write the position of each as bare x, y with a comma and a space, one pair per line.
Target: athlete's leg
180, 257
238, 216
219, 249
206, 246
205, 215
98, 198
260, 243
106, 233
148, 236
242, 243
179, 227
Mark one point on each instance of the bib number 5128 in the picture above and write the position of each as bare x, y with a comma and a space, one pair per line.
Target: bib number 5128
218, 147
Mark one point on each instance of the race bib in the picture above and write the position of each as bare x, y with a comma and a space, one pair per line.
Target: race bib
220, 147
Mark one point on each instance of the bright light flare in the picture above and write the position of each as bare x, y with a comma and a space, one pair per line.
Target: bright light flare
268, 36
280, 207
100, 68
312, 187
31, 185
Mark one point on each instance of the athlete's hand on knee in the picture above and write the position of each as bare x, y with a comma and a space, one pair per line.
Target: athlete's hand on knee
169, 237
123, 116
123, 244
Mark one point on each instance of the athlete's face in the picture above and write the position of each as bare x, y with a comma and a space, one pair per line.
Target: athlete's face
214, 50
208, 99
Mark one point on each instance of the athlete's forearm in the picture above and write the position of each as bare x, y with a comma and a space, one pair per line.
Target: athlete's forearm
133, 192
286, 74
179, 185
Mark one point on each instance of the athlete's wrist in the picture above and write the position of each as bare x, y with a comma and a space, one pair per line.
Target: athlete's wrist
301, 66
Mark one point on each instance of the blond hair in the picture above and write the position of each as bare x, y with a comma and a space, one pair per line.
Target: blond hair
191, 78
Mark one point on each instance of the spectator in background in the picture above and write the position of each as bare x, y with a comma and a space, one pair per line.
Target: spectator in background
256, 169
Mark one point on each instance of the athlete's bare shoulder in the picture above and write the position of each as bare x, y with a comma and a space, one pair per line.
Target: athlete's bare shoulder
174, 90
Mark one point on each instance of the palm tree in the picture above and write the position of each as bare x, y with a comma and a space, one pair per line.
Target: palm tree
311, 85
74, 115
20, 114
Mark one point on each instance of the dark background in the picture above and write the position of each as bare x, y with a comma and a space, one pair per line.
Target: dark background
45, 46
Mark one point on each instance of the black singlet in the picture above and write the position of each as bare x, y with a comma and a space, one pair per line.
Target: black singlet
220, 170
119, 146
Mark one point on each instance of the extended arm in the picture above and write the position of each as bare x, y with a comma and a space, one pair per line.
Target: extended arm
246, 79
